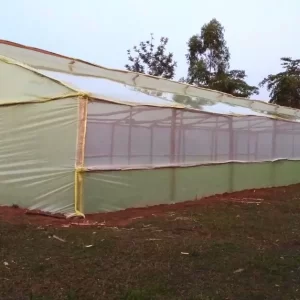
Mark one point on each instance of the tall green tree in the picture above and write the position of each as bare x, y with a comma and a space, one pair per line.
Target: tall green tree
148, 59
284, 87
208, 60
207, 54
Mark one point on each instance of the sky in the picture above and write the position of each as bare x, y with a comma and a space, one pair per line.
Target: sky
258, 33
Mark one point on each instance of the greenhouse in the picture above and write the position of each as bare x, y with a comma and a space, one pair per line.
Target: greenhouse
78, 138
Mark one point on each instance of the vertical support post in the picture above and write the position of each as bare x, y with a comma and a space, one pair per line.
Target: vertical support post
293, 135
129, 136
215, 140
231, 139
179, 138
248, 141
273, 153
173, 137
183, 144
173, 155
274, 131
80, 153
231, 154
256, 135
151, 144
112, 144
212, 144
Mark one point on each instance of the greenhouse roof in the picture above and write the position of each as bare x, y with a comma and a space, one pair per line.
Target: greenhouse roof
71, 76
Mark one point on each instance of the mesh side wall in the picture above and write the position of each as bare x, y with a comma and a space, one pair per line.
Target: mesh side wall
119, 136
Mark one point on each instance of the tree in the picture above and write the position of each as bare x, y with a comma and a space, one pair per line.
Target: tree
284, 87
208, 60
151, 60
233, 82
207, 54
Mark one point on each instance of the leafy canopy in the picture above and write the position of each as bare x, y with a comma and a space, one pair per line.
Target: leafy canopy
284, 87
208, 61
150, 60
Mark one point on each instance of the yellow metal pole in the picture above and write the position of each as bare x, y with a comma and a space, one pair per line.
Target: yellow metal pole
81, 134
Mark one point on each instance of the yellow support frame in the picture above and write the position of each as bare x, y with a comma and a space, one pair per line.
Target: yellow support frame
79, 166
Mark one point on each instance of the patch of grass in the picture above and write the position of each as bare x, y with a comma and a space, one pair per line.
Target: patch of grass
135, 294
212, 252
35, 297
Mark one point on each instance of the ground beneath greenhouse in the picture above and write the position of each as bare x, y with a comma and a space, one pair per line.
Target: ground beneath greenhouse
235, 246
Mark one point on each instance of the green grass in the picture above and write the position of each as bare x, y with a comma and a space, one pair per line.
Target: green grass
235, 251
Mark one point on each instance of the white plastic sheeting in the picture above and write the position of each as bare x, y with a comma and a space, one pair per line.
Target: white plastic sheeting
20, 84
114, 91
37, 155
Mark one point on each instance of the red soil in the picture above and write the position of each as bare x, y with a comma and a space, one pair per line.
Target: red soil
16, 215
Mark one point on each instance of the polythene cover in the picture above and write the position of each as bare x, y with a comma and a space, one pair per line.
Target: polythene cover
44, 60
19, 84
37, 155
101, 88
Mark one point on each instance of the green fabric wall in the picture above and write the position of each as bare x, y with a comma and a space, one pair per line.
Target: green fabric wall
116, 190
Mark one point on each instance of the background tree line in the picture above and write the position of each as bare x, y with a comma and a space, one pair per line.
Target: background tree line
208, 60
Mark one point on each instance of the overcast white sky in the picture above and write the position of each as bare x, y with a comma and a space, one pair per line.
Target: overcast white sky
258, 32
